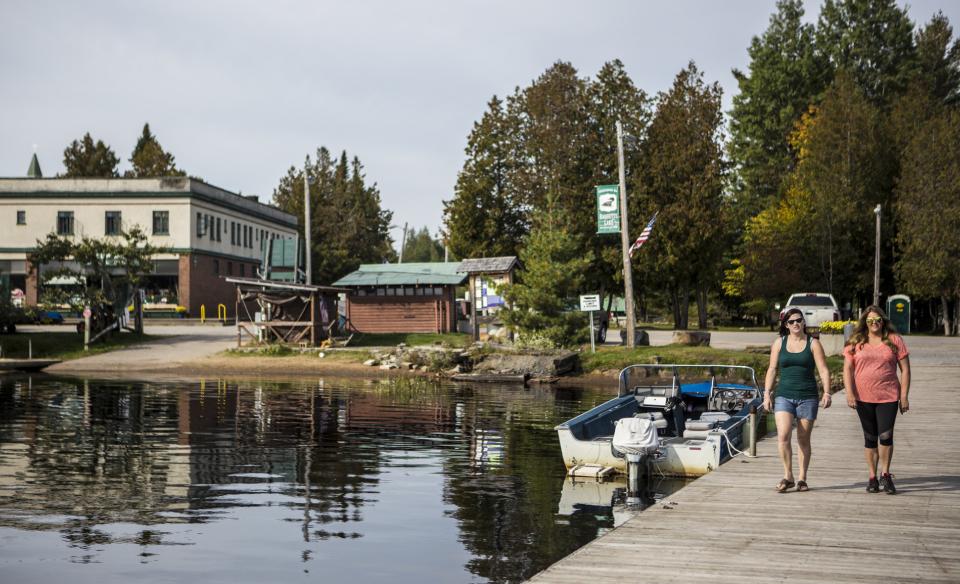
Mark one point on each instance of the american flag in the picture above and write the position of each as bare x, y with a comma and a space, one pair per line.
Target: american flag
644, 235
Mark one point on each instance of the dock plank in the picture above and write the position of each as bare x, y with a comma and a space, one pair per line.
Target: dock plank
731, 526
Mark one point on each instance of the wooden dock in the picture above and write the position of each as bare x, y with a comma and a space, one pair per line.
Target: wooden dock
730, 525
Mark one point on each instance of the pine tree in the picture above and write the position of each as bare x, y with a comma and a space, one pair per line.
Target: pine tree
538, 304
785, 76
86, 159
422, 247
486, 216
871, 39
845, 167
683, 176
939, 59
928, 206
349, 227
149, 160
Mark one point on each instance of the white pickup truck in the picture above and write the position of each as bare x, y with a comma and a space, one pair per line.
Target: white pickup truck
817, 308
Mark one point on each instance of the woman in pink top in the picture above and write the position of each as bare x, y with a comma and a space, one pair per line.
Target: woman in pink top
871, 359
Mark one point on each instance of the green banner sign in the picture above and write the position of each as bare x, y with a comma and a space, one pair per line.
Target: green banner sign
608, 209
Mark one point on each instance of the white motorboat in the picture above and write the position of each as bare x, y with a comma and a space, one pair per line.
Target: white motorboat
700, 413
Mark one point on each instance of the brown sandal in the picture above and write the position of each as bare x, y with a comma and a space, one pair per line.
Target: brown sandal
802, 486
784, 485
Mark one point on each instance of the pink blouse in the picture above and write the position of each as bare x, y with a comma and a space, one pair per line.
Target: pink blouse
875, 370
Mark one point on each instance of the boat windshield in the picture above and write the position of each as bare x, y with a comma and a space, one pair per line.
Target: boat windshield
676, 380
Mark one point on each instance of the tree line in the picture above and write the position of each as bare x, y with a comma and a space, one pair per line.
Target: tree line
831, 119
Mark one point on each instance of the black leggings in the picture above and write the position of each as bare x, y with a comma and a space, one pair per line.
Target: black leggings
877, 421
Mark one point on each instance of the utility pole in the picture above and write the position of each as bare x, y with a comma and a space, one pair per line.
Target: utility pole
403, 243
307, 224
625, 243
876, 262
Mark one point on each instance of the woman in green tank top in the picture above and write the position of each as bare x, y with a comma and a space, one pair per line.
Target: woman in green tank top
795, 355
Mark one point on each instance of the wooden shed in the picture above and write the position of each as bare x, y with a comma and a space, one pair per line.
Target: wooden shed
486, 275
402, 298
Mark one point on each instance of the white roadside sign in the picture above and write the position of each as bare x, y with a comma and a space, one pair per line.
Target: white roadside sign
590, 302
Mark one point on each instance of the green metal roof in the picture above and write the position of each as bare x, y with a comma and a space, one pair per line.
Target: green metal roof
426, 274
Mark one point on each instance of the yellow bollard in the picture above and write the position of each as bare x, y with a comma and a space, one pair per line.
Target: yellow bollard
224, 317
203, 313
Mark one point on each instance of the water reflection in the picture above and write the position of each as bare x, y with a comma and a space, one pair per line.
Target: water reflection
401, 480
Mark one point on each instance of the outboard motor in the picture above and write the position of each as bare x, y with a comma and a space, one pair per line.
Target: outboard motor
636, 438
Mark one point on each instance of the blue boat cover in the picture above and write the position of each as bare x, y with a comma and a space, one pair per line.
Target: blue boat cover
702, 388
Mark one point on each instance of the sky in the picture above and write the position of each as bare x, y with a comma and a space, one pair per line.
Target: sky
241, 91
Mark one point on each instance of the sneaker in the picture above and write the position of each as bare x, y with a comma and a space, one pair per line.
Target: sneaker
873, 485
886, 483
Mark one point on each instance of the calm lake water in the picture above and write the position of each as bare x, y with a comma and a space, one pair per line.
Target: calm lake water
314, 480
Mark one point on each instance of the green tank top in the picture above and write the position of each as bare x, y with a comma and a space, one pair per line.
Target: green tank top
796, 373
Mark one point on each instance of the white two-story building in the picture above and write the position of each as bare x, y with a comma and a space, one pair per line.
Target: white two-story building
205, 232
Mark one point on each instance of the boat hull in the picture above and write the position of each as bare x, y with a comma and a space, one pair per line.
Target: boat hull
680, 457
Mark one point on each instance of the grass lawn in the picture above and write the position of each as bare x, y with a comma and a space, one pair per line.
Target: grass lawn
411, 339
65, 345
620, 357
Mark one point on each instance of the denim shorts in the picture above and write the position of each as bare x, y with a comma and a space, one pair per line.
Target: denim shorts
805, 409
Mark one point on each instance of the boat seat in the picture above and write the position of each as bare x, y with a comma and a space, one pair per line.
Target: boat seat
659, 422
696, 433
715, 416
700, 425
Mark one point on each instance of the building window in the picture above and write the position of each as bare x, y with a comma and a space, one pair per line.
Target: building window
199, 224
64, 222
229, 268
21, 217
216, 267
161, 222
218, 229
243, 270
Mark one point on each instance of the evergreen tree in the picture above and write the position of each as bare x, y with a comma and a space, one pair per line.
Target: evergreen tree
486, 216
149, 160
939, 59
928, 208
349, 227
538, 304
845, 168
86, 159
683, 176
873, 40
614, 97
422, 247
785, 76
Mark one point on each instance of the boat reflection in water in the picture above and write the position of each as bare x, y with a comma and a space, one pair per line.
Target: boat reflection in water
243, 481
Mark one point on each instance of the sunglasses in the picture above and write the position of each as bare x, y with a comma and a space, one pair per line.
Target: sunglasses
795, 321
874, 320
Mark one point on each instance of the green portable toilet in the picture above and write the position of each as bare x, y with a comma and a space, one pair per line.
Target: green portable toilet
898, 309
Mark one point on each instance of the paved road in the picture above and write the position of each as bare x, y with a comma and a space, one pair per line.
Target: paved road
718, 339
179, 345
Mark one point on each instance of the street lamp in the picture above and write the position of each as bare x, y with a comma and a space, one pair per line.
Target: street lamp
876, 261
625, 243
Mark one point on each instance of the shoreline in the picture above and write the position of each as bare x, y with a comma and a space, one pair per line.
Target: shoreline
293, 367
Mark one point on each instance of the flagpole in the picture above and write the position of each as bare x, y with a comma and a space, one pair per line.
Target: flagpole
625, 244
